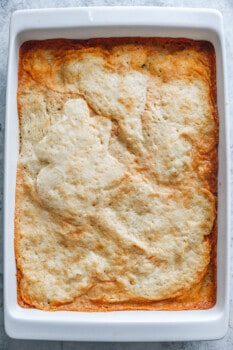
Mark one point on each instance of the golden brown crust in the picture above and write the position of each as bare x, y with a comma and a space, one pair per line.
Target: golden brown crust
46, 72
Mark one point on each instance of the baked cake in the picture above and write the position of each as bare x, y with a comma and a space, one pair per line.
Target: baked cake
117, 174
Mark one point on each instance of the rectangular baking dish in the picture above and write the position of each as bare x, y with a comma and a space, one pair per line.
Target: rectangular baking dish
83, 23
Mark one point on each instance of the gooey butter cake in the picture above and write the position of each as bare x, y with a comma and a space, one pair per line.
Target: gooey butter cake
117, 172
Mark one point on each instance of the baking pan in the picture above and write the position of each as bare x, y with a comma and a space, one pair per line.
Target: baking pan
93, 22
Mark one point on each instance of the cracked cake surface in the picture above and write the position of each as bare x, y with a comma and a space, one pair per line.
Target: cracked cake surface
117, 174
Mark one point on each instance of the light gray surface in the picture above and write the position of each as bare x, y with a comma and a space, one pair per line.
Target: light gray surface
6, 8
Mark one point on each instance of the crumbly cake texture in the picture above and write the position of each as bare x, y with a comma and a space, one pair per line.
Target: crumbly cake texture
117, 174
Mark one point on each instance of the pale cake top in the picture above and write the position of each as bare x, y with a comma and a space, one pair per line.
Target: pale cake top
116, 176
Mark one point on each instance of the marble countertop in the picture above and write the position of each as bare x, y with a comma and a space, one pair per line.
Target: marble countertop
6, 8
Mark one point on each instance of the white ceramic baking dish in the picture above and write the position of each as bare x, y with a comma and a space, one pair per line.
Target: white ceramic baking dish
124, 325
